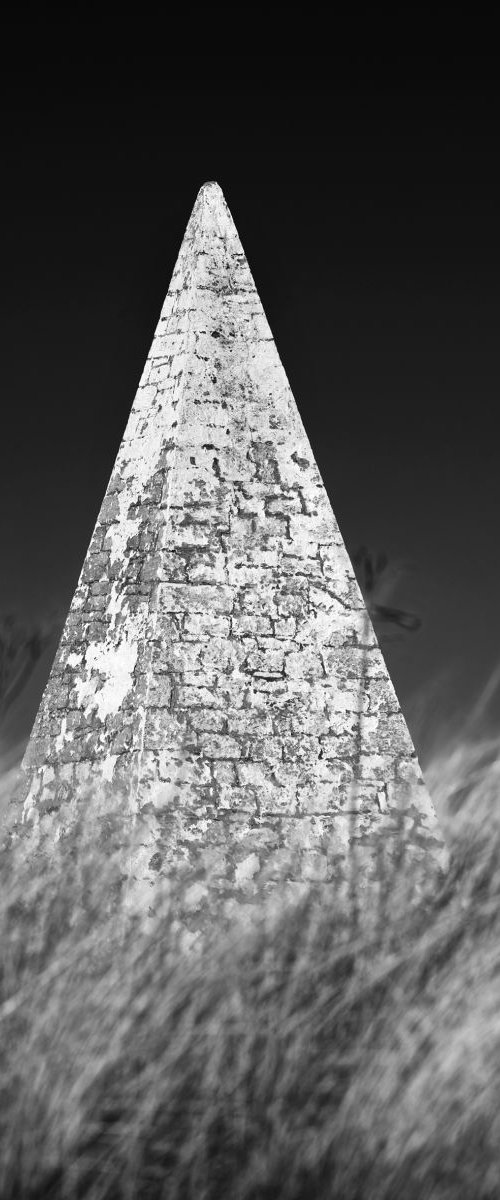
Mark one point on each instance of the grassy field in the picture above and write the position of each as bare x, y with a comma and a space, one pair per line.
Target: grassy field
321, 1053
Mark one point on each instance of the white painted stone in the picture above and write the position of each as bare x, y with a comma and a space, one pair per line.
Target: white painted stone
247, 869
218, 659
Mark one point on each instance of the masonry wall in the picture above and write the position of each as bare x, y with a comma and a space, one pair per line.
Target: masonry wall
218, 665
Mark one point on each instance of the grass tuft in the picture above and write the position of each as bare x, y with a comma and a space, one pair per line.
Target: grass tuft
322, 1051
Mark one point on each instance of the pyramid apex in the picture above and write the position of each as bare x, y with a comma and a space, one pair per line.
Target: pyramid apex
210, 205
211, 188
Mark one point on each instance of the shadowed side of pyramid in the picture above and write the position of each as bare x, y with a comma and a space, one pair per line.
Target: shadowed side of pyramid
218, 668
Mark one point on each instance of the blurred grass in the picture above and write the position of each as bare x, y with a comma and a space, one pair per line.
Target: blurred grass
325, 1050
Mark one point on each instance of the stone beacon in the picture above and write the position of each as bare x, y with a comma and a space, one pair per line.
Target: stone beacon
218, 671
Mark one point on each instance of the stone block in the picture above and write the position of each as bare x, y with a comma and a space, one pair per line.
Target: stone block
304, 664
252, 623
209, 720
160, 695
203, 626
250, 722
194, 598
219, 746
266, 663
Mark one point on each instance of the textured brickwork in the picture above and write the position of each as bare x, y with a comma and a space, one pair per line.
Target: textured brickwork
218, 664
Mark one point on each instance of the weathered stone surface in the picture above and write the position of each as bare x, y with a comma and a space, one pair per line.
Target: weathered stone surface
218, 660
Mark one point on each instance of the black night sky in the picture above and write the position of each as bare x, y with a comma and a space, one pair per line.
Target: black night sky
368, 204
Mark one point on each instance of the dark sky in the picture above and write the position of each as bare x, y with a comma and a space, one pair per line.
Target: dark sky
368, 204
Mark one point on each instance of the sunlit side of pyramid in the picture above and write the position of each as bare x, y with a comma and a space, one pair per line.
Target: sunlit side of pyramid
218, 665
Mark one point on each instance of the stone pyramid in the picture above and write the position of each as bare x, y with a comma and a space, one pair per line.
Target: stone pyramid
218, 669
